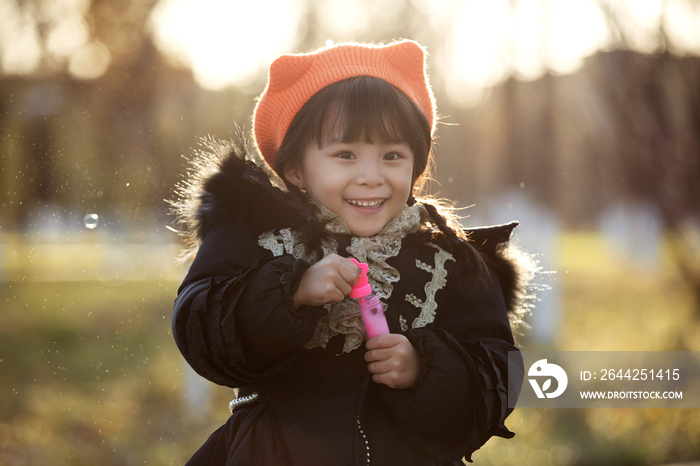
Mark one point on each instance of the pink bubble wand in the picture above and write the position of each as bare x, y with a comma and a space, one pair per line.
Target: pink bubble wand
371, 308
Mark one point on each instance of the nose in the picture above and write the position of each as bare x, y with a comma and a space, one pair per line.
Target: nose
370, 173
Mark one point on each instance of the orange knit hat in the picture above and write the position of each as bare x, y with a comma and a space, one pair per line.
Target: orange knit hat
294, 79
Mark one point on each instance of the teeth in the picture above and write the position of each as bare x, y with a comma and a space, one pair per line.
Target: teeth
365, 203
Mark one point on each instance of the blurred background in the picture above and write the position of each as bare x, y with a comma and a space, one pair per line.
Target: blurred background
579, 118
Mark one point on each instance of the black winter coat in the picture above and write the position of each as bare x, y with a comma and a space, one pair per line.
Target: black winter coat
234, 322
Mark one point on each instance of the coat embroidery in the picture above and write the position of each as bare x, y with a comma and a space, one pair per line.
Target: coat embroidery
403, 323
428, 308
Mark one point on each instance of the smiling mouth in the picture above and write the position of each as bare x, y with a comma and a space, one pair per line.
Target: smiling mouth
367, 204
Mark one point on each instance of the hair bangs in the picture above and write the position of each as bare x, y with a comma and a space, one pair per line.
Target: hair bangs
368, 109
359, 112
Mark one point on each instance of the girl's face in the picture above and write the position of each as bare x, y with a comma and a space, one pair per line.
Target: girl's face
366, 184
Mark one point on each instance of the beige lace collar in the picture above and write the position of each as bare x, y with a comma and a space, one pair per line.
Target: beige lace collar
409, 220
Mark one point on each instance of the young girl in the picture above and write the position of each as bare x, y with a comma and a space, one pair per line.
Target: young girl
348, 130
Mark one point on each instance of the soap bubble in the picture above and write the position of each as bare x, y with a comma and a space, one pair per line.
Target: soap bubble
90, 221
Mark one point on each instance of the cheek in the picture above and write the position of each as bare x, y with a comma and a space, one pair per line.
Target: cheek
326, 177
324, 187
404, 180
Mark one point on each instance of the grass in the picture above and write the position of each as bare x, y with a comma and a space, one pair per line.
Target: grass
90, 375
613, 304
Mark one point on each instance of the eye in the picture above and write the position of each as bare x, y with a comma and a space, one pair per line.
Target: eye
392, 156
345, 155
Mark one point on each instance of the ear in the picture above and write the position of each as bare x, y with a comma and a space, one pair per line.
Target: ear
293, 173
286, 70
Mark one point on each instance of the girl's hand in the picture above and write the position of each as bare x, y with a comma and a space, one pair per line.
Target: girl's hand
394, 361
327, 281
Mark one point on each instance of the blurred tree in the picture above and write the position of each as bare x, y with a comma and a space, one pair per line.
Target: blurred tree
82, 137
655, 103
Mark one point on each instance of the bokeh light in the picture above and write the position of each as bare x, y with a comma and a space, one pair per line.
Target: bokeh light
21, 50
90, 61
220, 42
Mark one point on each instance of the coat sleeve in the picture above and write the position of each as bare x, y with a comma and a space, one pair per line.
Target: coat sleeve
460, 399
234, 319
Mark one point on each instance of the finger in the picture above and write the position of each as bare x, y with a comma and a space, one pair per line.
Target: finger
338, 296
349, 271
384, 341
379, 378
389, 379
331, 293
377, 355
381, 367
386, 366
342, 286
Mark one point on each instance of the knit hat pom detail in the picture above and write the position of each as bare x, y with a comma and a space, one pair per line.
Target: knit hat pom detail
286, 70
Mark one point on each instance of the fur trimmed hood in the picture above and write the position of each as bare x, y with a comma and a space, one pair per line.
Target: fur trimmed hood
228, 179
